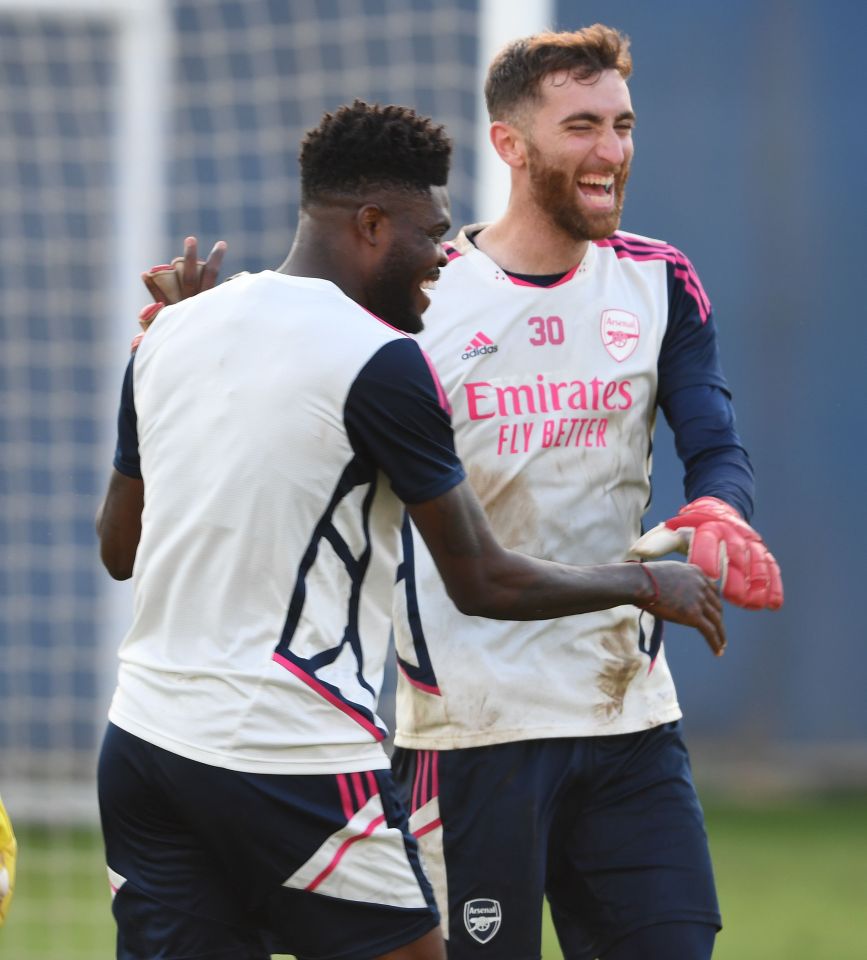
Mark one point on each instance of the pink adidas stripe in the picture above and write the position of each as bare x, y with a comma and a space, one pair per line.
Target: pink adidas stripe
343, 848
345, 796
326, 694
427, 828
426, 687
639, 250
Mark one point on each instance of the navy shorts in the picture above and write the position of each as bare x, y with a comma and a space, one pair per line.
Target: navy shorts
610, 828
212, 863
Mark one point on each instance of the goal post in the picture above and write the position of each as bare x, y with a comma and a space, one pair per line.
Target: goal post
82, 135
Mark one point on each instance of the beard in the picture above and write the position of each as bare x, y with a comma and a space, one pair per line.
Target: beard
555, 192
391, 295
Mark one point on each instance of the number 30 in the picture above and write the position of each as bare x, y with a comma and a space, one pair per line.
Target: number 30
546, 330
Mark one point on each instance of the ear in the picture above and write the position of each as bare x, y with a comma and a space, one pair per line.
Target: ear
509, 143
372, 223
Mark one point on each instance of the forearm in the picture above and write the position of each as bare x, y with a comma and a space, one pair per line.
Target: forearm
525, 588
485, 579
118, 524
716, 464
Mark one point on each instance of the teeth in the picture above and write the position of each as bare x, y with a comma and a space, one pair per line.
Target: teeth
598, 179
428, 284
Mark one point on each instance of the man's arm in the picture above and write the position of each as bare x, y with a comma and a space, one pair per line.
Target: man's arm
485, 579
712, 528
118, 524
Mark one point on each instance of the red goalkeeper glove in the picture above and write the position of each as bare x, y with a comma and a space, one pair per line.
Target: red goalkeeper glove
716, 538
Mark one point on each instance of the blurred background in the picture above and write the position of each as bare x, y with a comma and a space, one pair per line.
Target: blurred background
126, 125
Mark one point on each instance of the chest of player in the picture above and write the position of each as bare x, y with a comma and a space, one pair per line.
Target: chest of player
553, 367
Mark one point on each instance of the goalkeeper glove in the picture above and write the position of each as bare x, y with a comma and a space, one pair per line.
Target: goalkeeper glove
8, 853
716, 538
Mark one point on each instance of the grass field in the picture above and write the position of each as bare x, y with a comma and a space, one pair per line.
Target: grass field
792, 881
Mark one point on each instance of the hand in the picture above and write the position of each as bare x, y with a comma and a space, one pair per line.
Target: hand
185, 276
683, 594
716, 538
172, 282
8, 853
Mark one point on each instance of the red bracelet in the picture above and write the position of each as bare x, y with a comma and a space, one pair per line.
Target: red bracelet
654, 600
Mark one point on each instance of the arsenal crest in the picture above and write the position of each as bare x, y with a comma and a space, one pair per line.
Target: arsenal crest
482, 919
619, 333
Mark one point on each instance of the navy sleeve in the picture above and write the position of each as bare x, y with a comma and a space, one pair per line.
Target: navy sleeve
695, 398
715, 461
397, 417
126, 458
689, 355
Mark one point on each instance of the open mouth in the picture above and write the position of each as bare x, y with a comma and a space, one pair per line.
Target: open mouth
597, 189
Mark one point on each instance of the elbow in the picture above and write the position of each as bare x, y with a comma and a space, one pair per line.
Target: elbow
470, 606
118, 571
118, 563
477, 600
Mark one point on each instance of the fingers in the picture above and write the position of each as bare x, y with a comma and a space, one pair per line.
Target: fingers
153, 289
712, 626
196, 275
147, 314
704, 551
211, 269
189, 268
775, 586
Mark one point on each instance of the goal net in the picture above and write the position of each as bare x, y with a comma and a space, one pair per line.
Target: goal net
126, 125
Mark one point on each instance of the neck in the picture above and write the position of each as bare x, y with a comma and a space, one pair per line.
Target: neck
525, 240
320, 250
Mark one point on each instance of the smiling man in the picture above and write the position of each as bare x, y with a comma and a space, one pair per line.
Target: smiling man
270, 433
557, 337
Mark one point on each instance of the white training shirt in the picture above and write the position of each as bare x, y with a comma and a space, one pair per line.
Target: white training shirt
554, 392
277, 426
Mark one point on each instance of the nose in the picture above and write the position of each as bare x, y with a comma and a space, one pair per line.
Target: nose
442, 258
612, 146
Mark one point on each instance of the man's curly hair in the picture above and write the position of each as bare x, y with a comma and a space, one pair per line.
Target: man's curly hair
366, 146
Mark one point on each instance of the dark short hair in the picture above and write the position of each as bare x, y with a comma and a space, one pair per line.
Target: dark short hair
365, 146
517, 71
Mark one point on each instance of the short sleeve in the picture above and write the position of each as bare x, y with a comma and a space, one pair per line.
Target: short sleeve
397, 417
126, 455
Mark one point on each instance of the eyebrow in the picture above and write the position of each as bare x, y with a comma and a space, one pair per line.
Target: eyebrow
595, 117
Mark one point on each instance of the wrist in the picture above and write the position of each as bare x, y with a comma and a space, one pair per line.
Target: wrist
648, 588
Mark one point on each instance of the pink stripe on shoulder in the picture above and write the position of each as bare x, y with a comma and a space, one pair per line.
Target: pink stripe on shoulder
326, 694
385, 323
633, 248
442, 397
451, 251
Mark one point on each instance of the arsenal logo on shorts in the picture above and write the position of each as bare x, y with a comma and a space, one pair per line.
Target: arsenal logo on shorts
619, 333
482, 919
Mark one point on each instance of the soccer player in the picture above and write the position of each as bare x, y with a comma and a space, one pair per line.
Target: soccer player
557, 338
270, 432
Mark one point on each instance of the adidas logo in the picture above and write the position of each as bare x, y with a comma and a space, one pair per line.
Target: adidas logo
480, 344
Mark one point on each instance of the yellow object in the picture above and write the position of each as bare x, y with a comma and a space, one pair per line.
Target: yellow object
8, 853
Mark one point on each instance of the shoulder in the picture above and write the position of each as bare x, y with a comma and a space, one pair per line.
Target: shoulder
682, 275
633, 246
